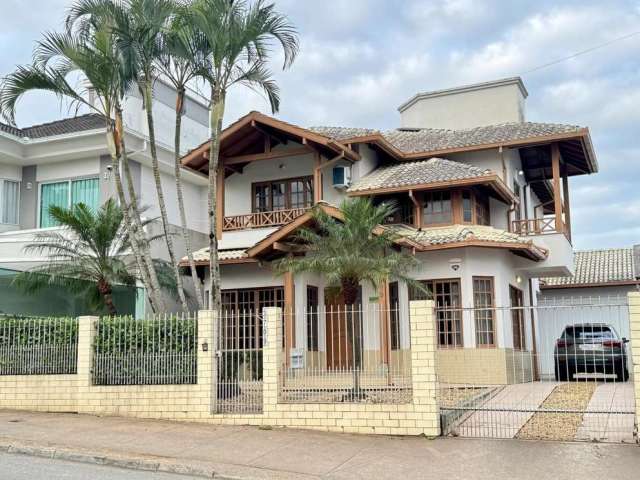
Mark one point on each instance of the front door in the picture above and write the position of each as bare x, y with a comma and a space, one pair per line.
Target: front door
343, 336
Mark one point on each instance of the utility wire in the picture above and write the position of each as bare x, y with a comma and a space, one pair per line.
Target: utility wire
582, 52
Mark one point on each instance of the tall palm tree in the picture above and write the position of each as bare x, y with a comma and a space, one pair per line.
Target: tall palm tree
181, 61
88, 256
239, 38
94, 57
138, 26
353, 250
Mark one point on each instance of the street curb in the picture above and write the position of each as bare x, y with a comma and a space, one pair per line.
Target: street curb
164, 465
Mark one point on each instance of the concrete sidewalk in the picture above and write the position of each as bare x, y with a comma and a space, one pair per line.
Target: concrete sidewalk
251, 453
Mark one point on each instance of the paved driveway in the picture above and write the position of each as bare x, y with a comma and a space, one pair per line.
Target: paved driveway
511, 406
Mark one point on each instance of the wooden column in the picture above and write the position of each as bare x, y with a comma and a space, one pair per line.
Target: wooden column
289, 315
385, 321
317, 178
565, 194
417, 210
557, 196
219, 201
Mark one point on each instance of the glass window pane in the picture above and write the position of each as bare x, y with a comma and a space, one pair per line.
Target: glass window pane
9, 202
52, 194
86, 191
261, 200
467, 206
483, 310
277, 196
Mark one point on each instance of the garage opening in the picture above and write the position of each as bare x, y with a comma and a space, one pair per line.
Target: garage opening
558, 372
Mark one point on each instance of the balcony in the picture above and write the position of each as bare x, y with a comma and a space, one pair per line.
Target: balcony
273, 218
536, 226
552, 236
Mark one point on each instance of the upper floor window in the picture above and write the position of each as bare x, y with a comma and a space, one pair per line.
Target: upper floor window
437, 208
66, 194
9, 200
282, 194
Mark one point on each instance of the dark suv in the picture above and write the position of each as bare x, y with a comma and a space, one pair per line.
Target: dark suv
590, 348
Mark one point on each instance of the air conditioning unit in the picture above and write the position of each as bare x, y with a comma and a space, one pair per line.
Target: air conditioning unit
341, 177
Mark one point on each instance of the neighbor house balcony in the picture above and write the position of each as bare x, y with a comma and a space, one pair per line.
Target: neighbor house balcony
272, 218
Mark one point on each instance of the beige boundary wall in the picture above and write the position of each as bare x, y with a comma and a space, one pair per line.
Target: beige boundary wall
634, 329
484, 366
74, 393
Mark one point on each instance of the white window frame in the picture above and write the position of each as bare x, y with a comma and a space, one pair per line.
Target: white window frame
2, 183
61, 180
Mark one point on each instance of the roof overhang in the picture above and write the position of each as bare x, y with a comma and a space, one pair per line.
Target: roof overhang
266, 246
526, 250
614, 283
251, 129
493, 181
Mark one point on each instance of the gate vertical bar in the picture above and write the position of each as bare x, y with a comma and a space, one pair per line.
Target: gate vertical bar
634, 329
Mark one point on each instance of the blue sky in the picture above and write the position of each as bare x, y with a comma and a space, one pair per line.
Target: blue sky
360, 59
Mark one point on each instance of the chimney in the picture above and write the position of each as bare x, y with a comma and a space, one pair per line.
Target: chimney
469, 106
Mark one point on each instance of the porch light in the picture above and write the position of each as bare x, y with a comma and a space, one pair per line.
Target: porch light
518, 279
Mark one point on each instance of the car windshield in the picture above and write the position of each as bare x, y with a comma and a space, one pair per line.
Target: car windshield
589, 333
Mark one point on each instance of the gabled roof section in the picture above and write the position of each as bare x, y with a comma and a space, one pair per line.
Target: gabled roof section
611, 266
81, 123
256, 122
428, 174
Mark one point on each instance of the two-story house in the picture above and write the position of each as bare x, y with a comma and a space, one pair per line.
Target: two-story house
484, 206
67, 161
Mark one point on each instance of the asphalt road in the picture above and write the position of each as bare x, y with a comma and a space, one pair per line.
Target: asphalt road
23, 467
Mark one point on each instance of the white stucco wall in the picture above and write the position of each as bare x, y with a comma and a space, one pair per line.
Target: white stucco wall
10, 172
69, 169
466, 109
195, 199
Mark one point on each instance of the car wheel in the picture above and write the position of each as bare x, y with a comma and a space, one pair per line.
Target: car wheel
561, 372
622, 374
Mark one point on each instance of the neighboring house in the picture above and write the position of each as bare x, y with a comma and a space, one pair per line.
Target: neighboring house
67, 161
599, 275
484, 206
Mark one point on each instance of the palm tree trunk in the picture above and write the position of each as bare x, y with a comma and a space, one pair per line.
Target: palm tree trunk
148, 100
107, 294
138, 230
183, 216
217, 113
114, 147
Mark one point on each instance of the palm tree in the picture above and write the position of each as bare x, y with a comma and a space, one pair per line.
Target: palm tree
138, 26
353, 250
94, 57
88, 257
239, 37
181, 61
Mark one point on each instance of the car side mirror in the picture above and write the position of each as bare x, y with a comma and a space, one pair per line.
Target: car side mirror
625, 340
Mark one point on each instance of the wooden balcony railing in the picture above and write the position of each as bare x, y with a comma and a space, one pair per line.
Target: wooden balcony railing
261, 219
536, 226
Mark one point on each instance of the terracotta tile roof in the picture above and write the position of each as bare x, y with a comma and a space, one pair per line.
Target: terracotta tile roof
412, 140
80, 123
459, 233
423, 172
202, 255
593, 267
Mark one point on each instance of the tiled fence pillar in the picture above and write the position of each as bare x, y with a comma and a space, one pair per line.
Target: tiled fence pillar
423, 366
207, 361
86, 333
271, 357
634, 328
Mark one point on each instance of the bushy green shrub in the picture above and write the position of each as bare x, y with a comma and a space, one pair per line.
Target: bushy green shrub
25, 331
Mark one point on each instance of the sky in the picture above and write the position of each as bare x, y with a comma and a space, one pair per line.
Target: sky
360, 59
